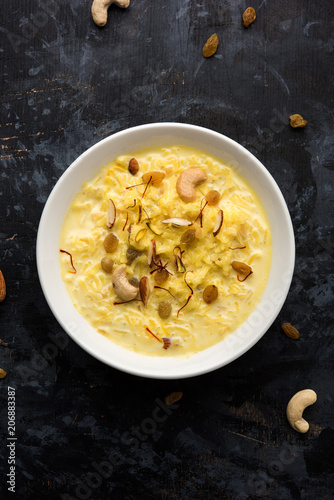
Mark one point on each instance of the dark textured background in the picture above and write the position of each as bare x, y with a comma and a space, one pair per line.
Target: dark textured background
66, 84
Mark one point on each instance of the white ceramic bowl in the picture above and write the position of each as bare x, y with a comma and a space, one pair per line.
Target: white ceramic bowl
125, 142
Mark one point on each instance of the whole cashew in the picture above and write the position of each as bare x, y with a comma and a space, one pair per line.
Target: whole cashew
296, 406
185, 185
123, 289
100, 9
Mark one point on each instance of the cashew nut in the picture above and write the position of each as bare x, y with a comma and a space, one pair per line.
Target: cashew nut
185, 185
100, 9
296, 406
123, 289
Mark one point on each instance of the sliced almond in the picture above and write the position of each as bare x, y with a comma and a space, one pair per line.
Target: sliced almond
144, 289
177, 221
2, 287
219, 223
152, 252
111, 214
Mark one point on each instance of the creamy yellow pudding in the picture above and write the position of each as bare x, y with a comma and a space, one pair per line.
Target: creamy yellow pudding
184, 228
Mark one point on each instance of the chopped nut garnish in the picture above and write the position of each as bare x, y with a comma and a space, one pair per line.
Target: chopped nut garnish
144, 288
133, 166
167, 342
177, 221
219, 222
152, 252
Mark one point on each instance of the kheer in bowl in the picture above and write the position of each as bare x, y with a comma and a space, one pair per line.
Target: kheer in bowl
168, 257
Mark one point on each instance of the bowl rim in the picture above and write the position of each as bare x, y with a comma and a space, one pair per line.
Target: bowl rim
126, 367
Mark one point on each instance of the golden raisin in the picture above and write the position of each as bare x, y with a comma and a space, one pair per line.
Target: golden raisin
188, 236
154, 178
241, 267
110, 243
164, 309
297, 121
211, 46
133, 166
249, 16
290, 331
212, 197
210, 294
161, 276
107, 264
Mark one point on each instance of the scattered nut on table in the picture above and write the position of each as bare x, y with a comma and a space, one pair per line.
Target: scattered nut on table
295, 408
100, 9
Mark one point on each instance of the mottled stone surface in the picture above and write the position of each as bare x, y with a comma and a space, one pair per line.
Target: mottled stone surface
85, 430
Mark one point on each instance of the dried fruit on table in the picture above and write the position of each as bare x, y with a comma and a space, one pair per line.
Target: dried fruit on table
173, 397
290, 331
297, 121
111, 214
2, 373
133, 166
249, 16
211, 46
2, 287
